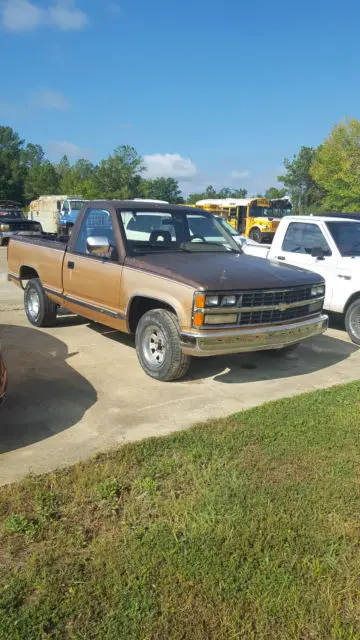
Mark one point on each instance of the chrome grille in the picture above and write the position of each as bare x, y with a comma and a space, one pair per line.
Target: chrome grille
271, 316
252, 307
22, 226
269, 298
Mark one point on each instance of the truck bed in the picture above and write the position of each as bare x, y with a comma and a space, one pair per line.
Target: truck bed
43, 254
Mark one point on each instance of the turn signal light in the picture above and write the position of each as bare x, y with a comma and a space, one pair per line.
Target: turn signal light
198, 319
199, 301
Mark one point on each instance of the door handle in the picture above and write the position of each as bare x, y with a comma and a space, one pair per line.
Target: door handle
71, 264
280, 258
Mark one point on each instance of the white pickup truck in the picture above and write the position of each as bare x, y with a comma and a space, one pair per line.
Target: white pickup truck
326, 245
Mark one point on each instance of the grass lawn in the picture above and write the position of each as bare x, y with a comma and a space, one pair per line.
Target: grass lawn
247, 527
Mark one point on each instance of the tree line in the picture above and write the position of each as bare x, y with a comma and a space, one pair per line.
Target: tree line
325, 178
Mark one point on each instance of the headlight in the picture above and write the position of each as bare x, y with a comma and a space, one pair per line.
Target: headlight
211, 301
318, 291
228, 300
4, 227
221, 318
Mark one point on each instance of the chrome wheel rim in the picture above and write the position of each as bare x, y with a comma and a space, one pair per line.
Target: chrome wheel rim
154, 346
354, 322
33, 304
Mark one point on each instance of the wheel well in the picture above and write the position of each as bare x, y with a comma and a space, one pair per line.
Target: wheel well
140, 305
26, 273
355, 296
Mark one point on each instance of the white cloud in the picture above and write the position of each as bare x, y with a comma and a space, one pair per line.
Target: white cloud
240, 174
59, 149
23, 15
49, 99
20, 15
67, 17
170, 165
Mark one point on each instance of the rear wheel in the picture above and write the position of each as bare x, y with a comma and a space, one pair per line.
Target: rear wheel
352, 321
255, 234
158, 347
39, 309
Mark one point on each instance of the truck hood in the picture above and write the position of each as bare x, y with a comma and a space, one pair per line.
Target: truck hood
350, 263
223, 272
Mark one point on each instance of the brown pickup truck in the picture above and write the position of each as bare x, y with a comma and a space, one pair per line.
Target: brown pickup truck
173, 276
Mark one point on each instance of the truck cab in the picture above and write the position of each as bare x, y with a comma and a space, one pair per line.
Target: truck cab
69, 211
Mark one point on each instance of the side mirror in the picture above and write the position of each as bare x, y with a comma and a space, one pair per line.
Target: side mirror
58, 204
317, 252
98, 246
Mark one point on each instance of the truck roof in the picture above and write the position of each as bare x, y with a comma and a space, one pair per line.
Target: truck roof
61, 197
321, 218
226, 202
146, 205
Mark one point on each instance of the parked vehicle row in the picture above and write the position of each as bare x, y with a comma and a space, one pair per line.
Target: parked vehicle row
172, 275
326, 245
254, 218
56, 214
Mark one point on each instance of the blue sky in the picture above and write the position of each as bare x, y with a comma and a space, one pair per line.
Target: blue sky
207, 92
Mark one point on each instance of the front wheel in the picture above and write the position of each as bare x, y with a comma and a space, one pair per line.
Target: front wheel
255, 234
39, 309
158, 349
352, 321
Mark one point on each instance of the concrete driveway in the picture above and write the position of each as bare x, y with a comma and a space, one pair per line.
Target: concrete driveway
77, 388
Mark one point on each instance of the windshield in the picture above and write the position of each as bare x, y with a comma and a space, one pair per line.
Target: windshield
175, 231
11, 213
346, 236
76, 205
227, 226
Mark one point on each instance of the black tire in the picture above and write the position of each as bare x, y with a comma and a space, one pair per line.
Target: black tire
158, 348
255, 234
352, 321
39, 309
283, 351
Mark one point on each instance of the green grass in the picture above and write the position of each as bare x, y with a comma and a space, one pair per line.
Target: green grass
247, 527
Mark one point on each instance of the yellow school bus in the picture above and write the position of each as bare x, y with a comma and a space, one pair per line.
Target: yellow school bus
256, 218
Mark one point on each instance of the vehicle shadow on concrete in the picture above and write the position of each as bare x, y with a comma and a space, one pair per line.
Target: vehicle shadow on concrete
45, 394
312, 355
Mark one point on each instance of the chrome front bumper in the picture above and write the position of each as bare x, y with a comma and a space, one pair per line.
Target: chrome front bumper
255, 339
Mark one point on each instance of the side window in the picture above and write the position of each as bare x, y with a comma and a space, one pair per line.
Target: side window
302, 237
96, 223
146, 226
66, 205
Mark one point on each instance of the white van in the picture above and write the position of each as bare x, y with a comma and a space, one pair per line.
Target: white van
48, 210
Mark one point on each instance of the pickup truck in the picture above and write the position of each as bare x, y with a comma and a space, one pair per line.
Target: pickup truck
329, 246
13, 222
173, 276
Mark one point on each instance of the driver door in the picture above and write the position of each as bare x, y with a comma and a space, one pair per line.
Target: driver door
299, 241
92, 283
